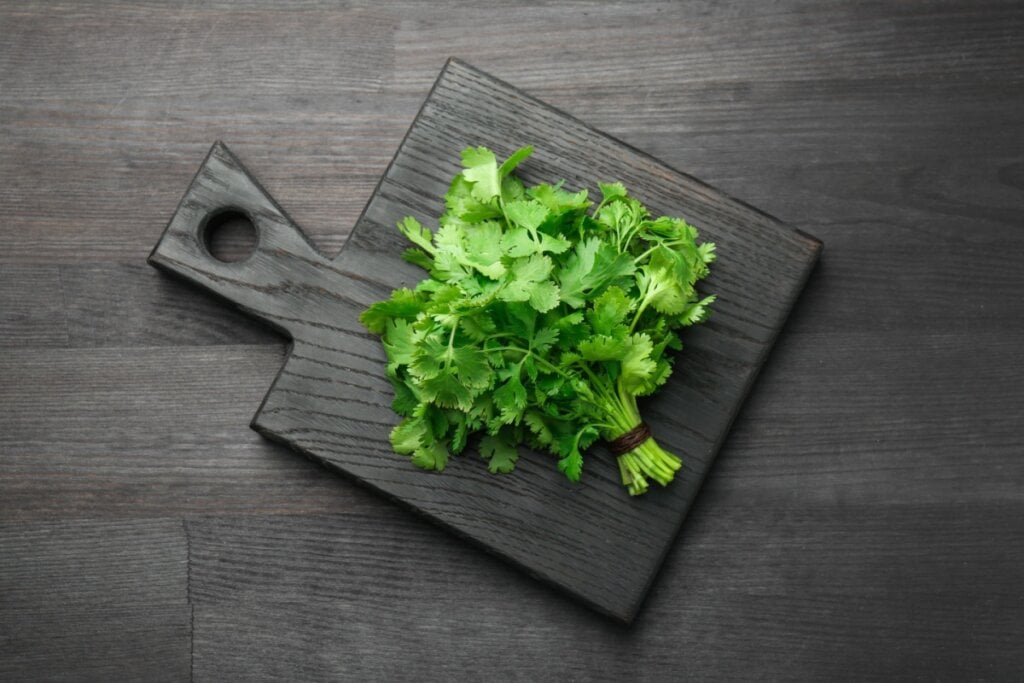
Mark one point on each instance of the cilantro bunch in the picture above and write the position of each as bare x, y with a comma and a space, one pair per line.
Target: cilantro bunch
542, 320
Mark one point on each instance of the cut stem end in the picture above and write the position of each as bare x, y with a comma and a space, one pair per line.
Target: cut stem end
645, 461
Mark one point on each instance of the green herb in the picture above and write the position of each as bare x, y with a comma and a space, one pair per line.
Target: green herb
543, 318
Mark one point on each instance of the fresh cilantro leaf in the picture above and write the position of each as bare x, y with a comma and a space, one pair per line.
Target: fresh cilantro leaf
527, 279
460, 431
544, 296
572, 329
637, 365
569, 446
399, 341
558, 200
481, 169
602, 347
662, 290
517, 158
543, 339
526, 214
609, 310
403, 304
511, 189
410, 434
470, 365
431, 456
500, 451
553, 244
611, 191
463, 206
418, 257
535, 421
510, 398
483, 248
695, 312
592, 265
478, 327
447, 391
516, 242
416, 233
706, 252
429, 358
405, 401
577, 269
571, 465
519, 319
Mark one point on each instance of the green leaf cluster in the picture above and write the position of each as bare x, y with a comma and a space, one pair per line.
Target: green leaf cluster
542, 318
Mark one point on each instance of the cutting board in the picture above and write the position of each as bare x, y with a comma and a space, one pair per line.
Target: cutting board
331, 401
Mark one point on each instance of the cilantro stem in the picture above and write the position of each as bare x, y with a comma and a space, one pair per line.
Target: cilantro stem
627, 237
490, 297
600, 206
647, 253
451, 346
639, 312
657, 243
537, 358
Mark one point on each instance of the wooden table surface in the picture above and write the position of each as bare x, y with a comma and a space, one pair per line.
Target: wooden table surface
864, 519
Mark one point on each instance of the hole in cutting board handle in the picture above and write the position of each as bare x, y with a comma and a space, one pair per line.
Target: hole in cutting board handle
229, 235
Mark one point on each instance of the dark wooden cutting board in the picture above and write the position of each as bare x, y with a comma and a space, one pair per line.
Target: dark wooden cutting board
331, 400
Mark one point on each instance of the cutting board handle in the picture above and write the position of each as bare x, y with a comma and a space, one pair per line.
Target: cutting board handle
259, 284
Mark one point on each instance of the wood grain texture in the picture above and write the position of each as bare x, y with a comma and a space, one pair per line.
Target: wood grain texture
726, 599
84, 563
89, 443
89, 600
332, 400
143, 643
880, 444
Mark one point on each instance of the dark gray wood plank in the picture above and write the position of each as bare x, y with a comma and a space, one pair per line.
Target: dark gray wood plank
103, 395
112, 305
88, 433
204, 52
331, 401
935, 417
93, 600
103, 643
69, 564
762, 588
652, 47
32, 306
130, 305
708, 637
